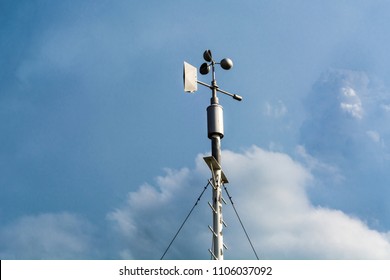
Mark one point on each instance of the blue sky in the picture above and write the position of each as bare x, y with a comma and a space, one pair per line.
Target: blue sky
101, 150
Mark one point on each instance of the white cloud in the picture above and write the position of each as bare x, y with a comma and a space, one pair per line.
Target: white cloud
343, 108
47, 236
275, 202
351, 138
276, 111
314, 164
351, 103
270, 192
150, 215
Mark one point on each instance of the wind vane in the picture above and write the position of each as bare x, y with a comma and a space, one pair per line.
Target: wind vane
215, 134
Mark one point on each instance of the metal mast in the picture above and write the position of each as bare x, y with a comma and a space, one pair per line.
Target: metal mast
215, 134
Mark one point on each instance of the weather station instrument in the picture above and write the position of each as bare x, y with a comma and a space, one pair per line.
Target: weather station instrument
215, 131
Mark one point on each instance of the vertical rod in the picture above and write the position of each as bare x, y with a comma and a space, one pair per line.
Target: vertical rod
216, 147
217, 190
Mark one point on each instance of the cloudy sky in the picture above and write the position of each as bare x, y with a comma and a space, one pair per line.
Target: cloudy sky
101, 150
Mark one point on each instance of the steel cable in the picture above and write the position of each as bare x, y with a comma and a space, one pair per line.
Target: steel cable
185, 220
242, 225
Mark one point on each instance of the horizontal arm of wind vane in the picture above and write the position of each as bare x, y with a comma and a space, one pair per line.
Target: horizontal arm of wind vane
235, 96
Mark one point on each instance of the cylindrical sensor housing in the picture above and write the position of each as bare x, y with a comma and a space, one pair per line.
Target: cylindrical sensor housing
215, 120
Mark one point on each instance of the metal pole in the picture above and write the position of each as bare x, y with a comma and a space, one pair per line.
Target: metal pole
215, 131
